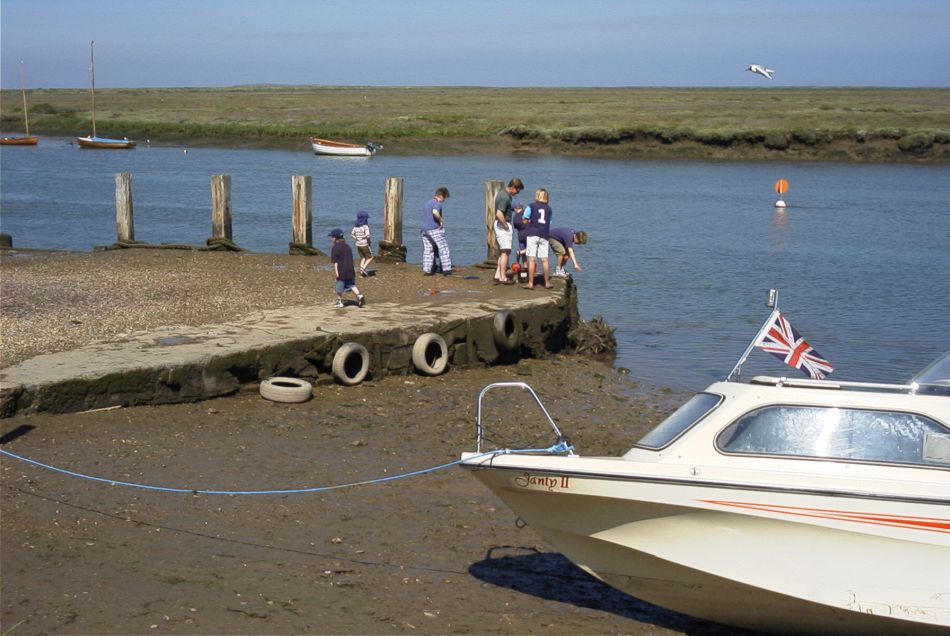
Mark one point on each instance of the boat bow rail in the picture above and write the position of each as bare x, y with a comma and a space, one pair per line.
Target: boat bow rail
479, 429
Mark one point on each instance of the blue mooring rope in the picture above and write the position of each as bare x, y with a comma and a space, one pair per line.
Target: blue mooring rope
560, 447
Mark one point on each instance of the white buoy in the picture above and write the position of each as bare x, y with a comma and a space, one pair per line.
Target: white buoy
780, 204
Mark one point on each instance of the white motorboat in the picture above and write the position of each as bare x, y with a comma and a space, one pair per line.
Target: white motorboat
342, 148
785, 505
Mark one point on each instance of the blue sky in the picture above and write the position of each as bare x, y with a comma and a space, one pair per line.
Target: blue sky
141, 43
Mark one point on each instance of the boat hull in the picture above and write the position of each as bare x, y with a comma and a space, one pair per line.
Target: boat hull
730, 555
104, 143
19, 141
341, 149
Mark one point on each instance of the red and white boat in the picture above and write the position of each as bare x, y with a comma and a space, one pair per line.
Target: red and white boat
784, 505
343, 149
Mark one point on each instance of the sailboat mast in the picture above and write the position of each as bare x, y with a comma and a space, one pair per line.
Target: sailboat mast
92, 82
26, 117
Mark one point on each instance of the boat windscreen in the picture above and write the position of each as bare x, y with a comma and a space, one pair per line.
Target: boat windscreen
936, 375
680, 421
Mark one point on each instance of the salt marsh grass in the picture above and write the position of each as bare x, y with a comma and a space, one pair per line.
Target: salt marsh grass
754, 123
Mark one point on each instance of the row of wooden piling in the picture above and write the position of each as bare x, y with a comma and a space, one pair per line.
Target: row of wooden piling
389, 248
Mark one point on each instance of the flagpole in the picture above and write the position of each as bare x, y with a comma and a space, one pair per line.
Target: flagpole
772, 302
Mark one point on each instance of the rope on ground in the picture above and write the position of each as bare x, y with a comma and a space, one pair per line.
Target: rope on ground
222, 243
211, 245
560, 447
391, 252
302, 249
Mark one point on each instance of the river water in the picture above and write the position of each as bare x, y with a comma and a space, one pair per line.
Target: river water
679, 259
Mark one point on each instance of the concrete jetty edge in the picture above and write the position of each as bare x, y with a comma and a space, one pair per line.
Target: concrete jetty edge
182, 364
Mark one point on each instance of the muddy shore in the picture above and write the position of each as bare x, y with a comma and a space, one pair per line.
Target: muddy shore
431, 554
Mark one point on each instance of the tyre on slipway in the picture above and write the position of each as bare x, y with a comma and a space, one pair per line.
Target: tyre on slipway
289, 390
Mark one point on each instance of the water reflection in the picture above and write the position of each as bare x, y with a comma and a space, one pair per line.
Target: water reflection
779, 223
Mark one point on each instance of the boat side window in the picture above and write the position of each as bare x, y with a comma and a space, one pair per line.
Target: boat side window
839, 433
680, 421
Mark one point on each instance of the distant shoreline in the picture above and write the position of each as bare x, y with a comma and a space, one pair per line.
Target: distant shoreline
759, 124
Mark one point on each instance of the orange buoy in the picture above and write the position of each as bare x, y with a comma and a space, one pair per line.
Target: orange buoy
781, 186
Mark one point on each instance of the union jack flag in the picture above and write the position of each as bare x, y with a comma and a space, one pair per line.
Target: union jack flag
782, 341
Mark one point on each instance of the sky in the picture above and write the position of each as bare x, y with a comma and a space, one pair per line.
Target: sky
677, 43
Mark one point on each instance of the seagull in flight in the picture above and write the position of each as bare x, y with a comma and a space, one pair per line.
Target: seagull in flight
761, 70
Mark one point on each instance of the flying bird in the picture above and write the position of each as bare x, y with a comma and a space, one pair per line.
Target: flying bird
761, 70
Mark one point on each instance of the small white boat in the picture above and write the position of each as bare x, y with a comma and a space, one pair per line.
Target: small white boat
343, 149
784, 505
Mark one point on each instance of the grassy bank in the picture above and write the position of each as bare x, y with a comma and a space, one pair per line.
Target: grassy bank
862, 124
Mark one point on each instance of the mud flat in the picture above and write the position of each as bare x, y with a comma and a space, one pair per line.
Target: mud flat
431, 554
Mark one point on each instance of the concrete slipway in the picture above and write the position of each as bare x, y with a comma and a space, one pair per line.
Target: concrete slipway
179, 364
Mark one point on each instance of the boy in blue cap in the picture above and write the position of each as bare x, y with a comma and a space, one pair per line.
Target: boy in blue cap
342, 258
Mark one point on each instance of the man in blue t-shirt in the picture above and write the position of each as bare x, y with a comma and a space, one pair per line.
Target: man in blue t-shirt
433, 235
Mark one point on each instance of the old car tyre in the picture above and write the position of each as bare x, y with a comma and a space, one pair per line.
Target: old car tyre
430, 354
350, 363
505, 330
286, 390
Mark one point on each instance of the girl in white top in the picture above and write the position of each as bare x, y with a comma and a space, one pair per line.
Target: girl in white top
363, 241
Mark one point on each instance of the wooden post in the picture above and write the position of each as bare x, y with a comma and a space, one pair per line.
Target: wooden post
491, 189
124, 227
391, 247
302, 216
221, 206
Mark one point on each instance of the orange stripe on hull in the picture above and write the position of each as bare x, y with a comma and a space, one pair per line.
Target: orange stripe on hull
914, 523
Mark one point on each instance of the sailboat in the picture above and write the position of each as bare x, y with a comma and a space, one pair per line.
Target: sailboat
27, 140
93, 140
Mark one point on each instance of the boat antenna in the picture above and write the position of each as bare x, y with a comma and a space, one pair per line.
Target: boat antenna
771, 302
26, 116
92, 83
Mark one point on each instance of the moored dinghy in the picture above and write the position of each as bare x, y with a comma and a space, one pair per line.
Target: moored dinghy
27, 139
93, 140
784, 505
19, 141
343, 149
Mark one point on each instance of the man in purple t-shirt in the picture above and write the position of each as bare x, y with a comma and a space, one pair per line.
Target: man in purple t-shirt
562, 240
